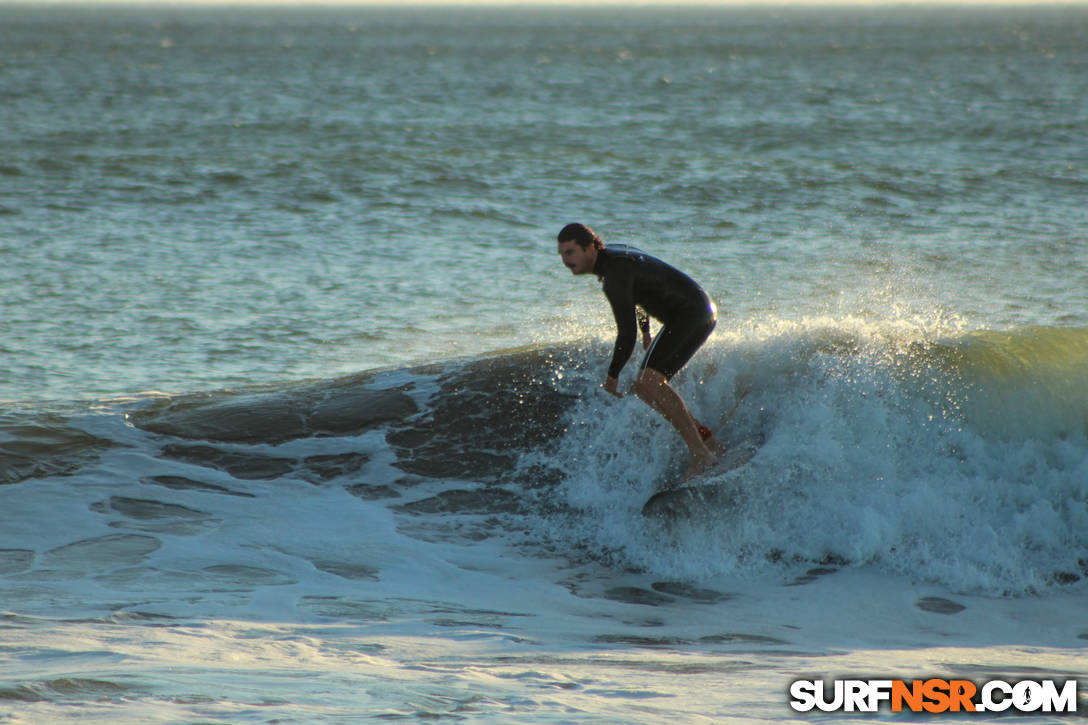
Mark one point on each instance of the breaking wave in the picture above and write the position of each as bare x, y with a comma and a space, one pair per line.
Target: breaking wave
961, 459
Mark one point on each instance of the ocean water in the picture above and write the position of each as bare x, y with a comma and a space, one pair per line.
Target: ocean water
300, 417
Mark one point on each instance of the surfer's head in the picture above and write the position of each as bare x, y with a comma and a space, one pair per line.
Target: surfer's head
578, 247
583, 235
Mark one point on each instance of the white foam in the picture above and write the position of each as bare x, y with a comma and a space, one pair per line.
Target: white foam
859, 463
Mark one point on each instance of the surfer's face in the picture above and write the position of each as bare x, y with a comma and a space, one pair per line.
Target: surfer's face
578, 259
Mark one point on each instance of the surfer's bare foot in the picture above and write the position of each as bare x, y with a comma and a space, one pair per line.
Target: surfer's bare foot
698, 465
715, 446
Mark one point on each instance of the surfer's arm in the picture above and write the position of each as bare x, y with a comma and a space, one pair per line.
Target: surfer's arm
620, 295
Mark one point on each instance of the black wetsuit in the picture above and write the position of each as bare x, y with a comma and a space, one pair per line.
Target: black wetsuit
631, 277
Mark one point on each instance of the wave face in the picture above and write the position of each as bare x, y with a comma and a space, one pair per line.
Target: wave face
959, 460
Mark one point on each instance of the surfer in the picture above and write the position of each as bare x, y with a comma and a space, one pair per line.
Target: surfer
638, 285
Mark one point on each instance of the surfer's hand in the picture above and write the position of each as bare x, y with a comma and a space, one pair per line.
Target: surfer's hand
610, 385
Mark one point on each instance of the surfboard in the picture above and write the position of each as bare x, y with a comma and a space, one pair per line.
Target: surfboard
693, 496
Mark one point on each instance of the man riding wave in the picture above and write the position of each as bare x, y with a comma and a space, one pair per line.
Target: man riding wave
636, 285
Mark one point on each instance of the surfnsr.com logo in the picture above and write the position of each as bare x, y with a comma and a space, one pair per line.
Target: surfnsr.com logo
934, 695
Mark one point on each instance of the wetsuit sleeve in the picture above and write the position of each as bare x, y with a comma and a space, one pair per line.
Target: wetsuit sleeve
620, 294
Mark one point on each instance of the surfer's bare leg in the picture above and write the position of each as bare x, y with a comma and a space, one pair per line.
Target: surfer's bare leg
652, 388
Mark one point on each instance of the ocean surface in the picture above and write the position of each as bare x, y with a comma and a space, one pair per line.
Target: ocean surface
300, 416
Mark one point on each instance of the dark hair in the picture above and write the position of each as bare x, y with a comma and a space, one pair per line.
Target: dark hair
582, 234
